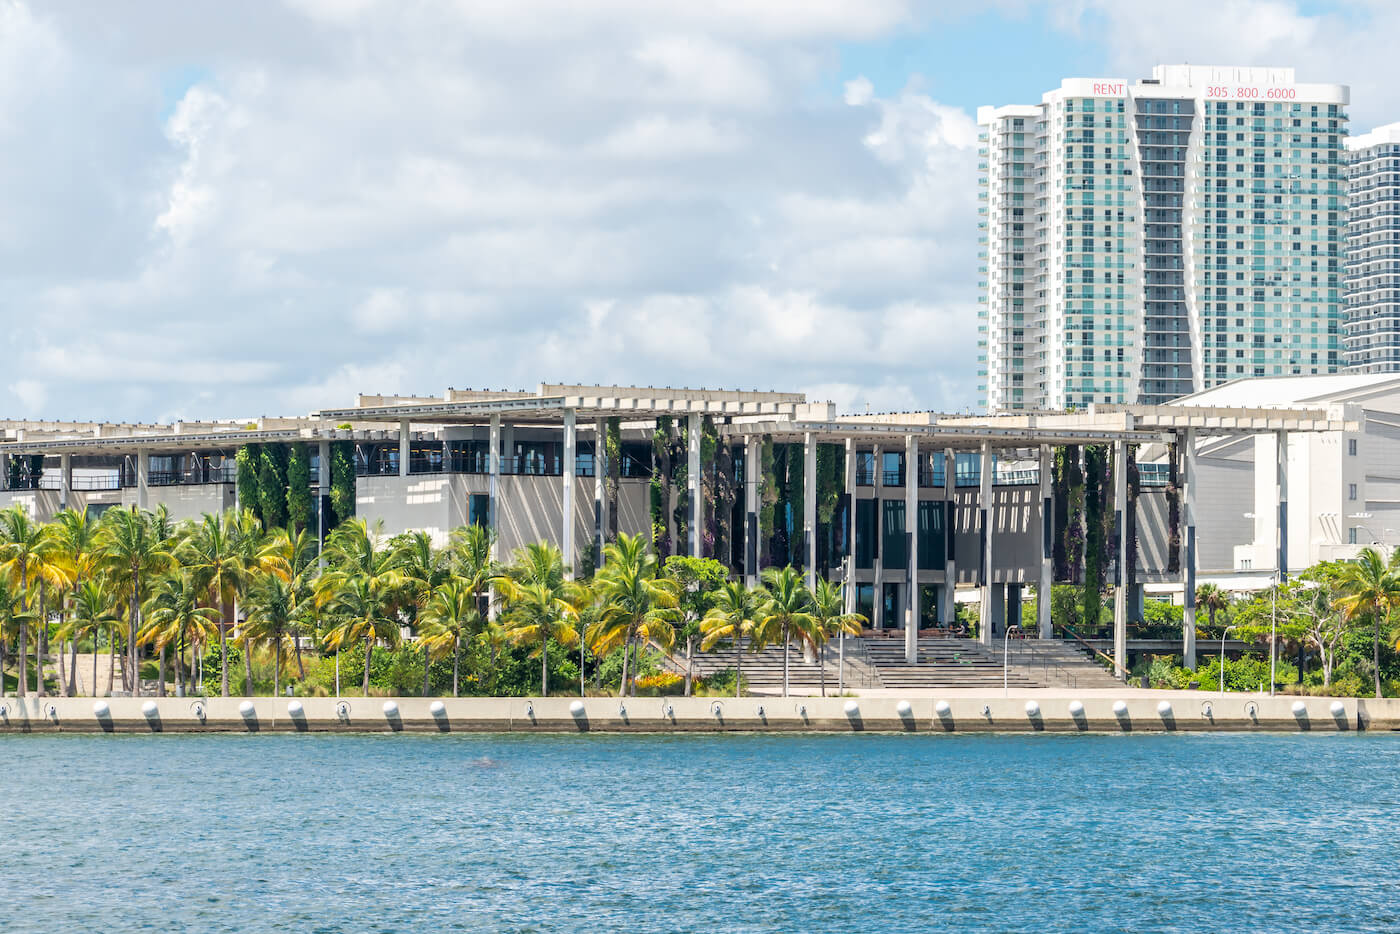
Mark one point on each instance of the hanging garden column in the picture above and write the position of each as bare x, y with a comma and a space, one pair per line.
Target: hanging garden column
753, 457
1186, 453
987, 612
949, 613
809, 508
1120, 573
911, 537
570, 453
1047, 538
600, 495
692, 479
323, 495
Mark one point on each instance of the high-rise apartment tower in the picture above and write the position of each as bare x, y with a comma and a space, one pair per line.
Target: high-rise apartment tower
1144, 241
1372, 332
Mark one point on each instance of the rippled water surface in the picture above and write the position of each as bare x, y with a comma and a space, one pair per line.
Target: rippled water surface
700, 833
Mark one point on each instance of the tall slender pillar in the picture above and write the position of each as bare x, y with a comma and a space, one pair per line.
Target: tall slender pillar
1281, 481
753, 456
692, 479
984, 568
570, 453
1120, 589
143, 479
4, 470
809, 509
1047, 538
950, 518
600, 493
877, 603
404, 441
911, 538
1186, 453
493, 485
850, 557
323, 498
65, 467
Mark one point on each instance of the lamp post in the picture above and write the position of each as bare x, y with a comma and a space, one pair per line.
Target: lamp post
1273, 633
1222, 657
1005, 660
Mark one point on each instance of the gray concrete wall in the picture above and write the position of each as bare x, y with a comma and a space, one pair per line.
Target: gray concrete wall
1153, 531
1016, 536
1049, 711
1224, 493
184, 502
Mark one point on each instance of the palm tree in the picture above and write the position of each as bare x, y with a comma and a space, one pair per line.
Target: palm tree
423, 568
212, 556
785, 614
829, 618
1369, 588
75, 536
361, 589
470, 556
94, 612
249, 542
174, 615
635, 605
731, 619
13, 616
449, 619
536, 613
292, 557
26, 551
132, 551
272, 611
1213, 599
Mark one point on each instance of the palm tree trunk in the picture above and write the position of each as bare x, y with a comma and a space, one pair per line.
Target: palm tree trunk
223, 653
111, 661
1376, 655
456, 662
160, 673
41, 642
180, 666
425, 669
24, 659
247, 663
133, 619
277, 666
626, 657
785, 660
73, 666
544, 668
94, 664
689, 664
739, 664
369, 650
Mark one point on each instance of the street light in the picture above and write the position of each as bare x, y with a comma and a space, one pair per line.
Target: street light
1222, 658
1005, 659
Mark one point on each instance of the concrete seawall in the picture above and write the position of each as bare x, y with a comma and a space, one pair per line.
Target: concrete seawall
1053, 712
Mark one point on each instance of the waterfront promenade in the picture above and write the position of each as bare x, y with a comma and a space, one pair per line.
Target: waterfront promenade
954, 711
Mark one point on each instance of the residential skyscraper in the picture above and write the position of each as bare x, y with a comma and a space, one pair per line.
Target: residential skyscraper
1372, 331
1145, 241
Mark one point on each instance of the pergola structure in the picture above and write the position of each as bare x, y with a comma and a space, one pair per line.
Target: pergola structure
747, 419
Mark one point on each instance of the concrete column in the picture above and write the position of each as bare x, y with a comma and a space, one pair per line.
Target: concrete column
1186, 453
4, 470
404, 441
493, 467
1281, 481
850, 560
753, 457
809, 508
911, 529
323, 492
143, 479
1047, 539
877, 605
570, 453
1120, 591
600, 491
692, 479
984, 570
65, 467
949, 613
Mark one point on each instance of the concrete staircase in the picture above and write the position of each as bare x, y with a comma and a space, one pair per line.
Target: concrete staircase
763, 671
966, 663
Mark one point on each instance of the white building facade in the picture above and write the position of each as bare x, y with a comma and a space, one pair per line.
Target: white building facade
1372, 264
1146, 240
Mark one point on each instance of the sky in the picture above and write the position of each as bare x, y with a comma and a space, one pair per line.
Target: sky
263, 208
